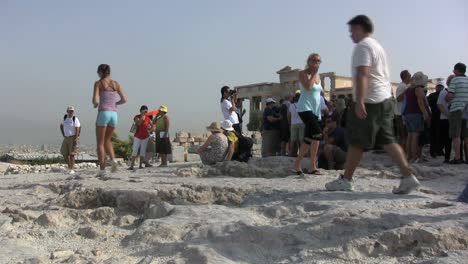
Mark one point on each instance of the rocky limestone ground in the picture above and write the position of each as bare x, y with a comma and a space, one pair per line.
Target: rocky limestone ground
233, 213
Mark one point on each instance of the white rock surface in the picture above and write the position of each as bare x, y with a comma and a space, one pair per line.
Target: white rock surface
36, 169
234, 213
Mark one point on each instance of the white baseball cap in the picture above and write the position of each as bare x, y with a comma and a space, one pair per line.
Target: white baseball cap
70, 108
270, 100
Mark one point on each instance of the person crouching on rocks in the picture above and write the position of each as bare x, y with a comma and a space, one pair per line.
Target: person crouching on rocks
143, 125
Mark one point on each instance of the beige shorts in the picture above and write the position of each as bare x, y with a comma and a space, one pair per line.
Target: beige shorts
69, 146
297, 132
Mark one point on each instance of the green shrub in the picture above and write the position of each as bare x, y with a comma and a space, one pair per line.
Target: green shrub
45, 161
255, 121
122, 148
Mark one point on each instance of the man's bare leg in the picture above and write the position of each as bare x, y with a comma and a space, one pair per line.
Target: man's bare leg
456, 147
353, 158
398, 156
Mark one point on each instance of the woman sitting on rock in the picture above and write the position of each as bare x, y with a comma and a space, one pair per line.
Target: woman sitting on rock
215, 148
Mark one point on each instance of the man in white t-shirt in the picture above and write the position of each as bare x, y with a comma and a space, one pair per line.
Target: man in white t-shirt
371, 114
70, 128
228, 107
444, 125
400, 129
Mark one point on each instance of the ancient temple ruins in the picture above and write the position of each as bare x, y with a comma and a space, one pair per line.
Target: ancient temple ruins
257, 93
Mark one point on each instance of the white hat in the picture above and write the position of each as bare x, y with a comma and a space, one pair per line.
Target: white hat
270, 100
441, 83
70, 108
227, 125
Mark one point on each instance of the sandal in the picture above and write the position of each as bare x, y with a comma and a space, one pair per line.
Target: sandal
296, 172
315, 172
456, 161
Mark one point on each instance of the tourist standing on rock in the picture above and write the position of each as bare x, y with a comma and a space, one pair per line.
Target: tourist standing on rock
435, 143
285, 128
143, 124
163, 142
458, 98
400, 128
106, 98
442, 104
70, 128
309, 110
240, 112
370, 115
271, 141
415, 114
215, 148
297, 126
228, 107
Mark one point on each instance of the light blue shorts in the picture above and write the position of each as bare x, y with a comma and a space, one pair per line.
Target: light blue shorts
107, 118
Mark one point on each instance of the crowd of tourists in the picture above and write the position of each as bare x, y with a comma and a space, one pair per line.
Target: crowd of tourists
332, 134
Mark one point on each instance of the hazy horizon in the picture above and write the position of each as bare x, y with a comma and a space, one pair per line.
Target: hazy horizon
180, 53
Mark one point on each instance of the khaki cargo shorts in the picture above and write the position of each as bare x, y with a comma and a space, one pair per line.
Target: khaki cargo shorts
376, 129
68, 146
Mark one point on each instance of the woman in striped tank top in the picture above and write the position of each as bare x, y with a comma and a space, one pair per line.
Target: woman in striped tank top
105, 98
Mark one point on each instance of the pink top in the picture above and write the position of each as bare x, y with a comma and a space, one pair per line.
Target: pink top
107, 101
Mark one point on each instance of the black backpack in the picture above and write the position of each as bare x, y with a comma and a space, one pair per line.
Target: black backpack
244, 149
73, 118
65, 117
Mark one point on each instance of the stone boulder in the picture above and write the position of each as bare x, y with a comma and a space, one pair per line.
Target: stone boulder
158, 210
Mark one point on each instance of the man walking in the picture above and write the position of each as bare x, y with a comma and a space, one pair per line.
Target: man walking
370, 115
70, 128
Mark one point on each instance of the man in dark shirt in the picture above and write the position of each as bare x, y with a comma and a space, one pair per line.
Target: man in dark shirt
335, 144
435, 146
271, 129
285, 128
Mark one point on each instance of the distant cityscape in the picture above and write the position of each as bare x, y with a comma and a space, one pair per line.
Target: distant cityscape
43, 149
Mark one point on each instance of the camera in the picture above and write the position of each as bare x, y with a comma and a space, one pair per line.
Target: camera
232, 92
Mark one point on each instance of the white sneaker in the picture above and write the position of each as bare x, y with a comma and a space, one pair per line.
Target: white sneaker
341, 184
407, 185
101, 173
114, 165
71, 172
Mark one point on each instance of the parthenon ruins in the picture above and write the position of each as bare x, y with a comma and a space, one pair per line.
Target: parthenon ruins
257, 93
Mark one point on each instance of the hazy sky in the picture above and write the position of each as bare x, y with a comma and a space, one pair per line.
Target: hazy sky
180, 53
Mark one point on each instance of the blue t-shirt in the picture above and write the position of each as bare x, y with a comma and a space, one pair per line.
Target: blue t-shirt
267, 125
310, 100
340, 138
